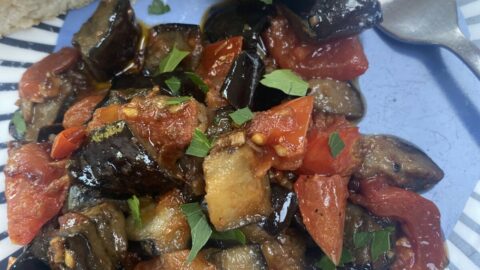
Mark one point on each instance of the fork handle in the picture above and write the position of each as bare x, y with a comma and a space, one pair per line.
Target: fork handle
465, 49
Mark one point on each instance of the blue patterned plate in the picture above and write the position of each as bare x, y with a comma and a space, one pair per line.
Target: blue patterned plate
423, 94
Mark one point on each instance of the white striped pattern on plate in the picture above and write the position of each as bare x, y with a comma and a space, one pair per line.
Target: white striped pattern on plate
18, 51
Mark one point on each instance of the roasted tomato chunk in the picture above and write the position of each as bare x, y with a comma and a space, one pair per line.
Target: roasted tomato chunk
214, 66
323, 201
318, 158
34, 84
81, 111
36, 187
283, 130
419, 217
341, 59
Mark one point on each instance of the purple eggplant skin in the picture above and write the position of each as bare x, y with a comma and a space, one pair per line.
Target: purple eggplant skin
323, 20
242, 87
233, 18
119, 164
109, 39
403, 163
284, 204
126, 87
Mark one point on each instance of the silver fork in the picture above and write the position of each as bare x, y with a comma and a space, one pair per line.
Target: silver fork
429, 22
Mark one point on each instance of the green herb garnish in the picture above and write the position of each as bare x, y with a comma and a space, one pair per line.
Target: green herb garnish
378, 241
199, 228
158, 8
361, 239
198, 81
174, 84
267, 2
201, 231
19, 123
231, 235
241, 116
134, 205
286, 81
326, 264
380, 244
171, 61
177, 100
200, 145
335, 143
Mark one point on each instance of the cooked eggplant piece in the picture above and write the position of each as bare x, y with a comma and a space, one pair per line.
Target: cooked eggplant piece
47, 133
78, 245
92, 239
233, 17
236, 194
284, 204
239, 258
109, 39
44, 112
176, 260
162, 39
35, 255
27, 261
110, 224
336, 97
163, 223
81, 196
322, 20
404, 164
221, 124
192, 170
128, 86
187, 87
359, 220
286, 251
242, 89
116, 162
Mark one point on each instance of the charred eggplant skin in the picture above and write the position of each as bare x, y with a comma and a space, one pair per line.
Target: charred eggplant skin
284, 204
231, 18
27, 261
132, 83
242, 88
115, 162
108, 40
322, 20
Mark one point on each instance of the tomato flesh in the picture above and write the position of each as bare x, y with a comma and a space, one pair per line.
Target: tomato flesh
283, 129
36, 76
80, 112
215, 64
67, 141
322, 201
318, 158
341, 59
419, 218
36, 187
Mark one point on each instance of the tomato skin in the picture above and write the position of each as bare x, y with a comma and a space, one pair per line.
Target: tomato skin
67, 141
319, 160
322, 201
283, 129
419, 218
215, 64
36, 76
36, 187
80, 112
341, 59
